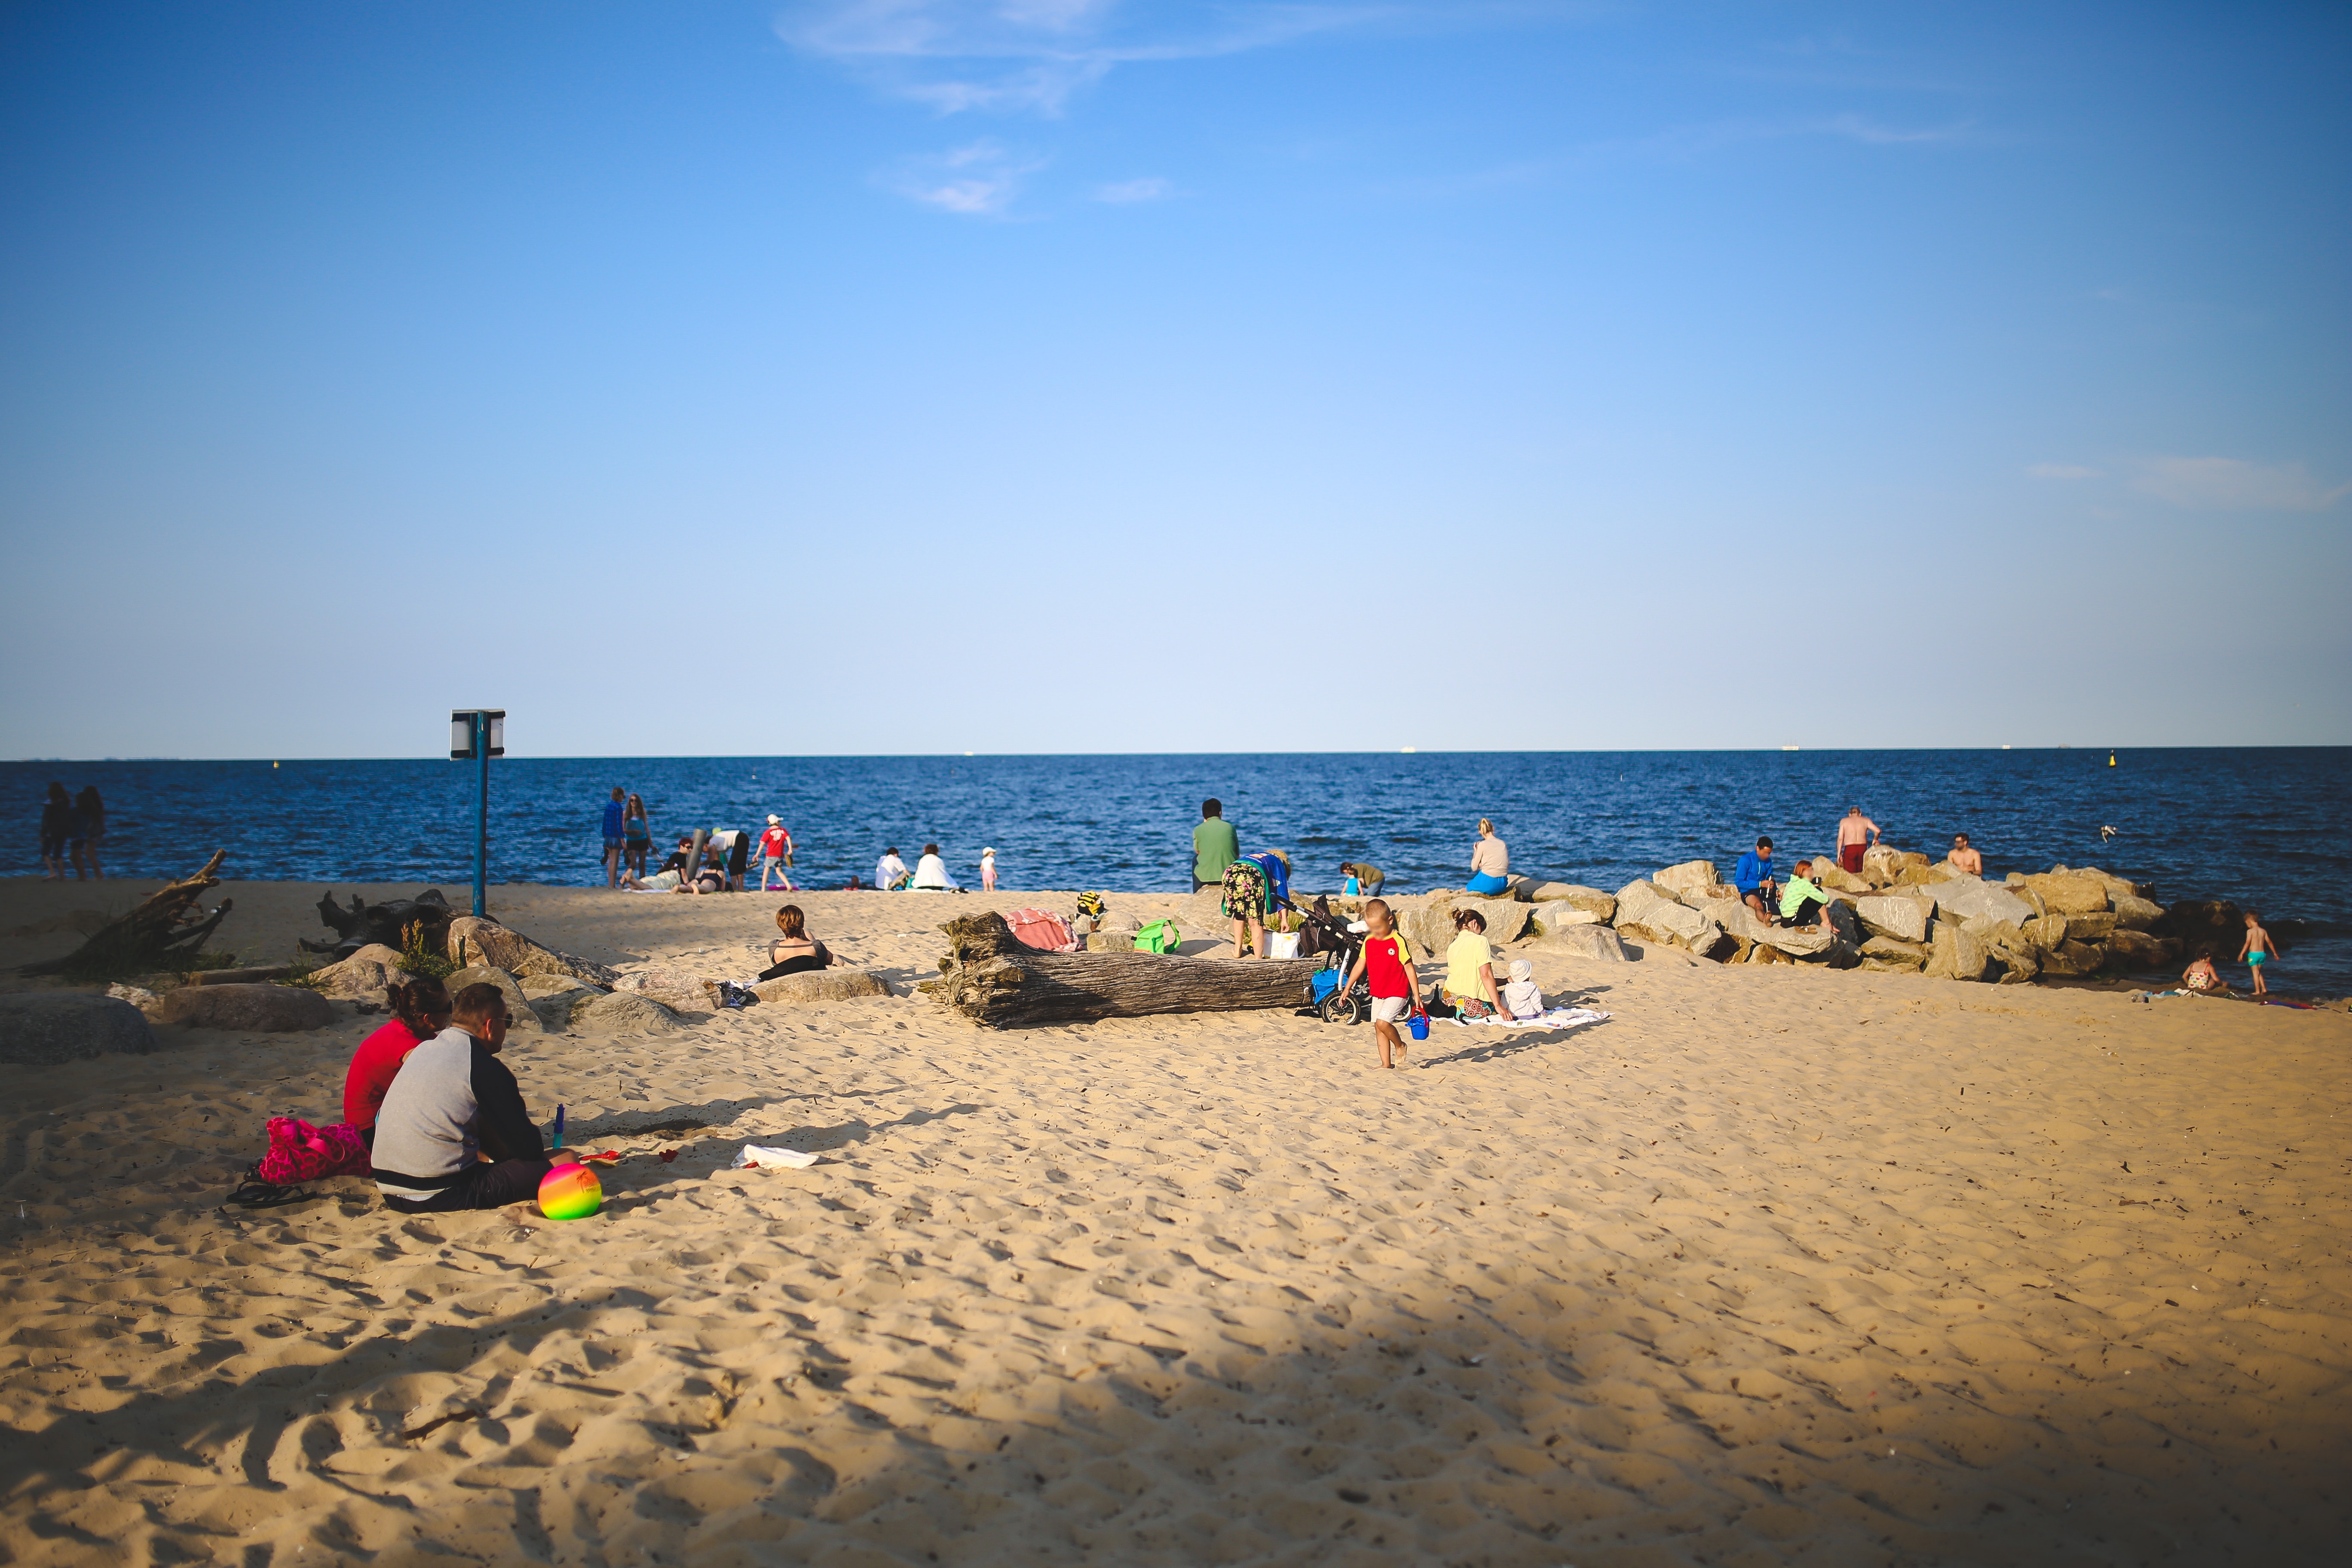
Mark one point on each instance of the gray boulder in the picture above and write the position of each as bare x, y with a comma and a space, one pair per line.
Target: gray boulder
1690, 877
521, 1017
680, 990
835, 984
1597, 943
2135, 913
1429, 925
1559, 916
1647, 914
42, 1028
620, 1013
1973, 898
1893, 915
555, 1007
1956, 954
248, 1009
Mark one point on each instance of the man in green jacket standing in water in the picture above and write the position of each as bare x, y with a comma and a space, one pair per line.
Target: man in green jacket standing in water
1215, 846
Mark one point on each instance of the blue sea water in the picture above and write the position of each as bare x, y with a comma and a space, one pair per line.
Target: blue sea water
2265, 828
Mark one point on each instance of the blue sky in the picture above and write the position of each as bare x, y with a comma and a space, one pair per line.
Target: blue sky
1069, 375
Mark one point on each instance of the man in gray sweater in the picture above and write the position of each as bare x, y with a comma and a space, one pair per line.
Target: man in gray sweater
453, 1134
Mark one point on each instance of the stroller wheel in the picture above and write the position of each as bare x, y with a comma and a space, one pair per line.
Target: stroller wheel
1342, 1010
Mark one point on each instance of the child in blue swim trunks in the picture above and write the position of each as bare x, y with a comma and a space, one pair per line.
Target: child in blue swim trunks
2259, 949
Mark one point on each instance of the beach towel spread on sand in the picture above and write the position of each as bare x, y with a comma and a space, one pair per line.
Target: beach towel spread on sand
1558, 1018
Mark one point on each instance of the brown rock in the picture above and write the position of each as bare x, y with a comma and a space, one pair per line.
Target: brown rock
248, 1009
1956, 954
1592, 900
2073, 958
1892, 953
1690, 877
2070, 893
521, 1018
836, 984
2205, 928
475, 939
2047, 933
2135, 913
1837, 879
365, 973
2137, 950
2090, 928
623, 1014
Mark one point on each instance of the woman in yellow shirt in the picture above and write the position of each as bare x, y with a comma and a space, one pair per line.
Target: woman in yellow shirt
1470, 968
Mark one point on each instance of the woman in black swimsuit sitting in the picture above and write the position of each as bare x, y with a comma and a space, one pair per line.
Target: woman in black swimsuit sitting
795, 951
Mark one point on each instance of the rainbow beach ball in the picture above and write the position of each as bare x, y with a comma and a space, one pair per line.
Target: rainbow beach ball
570, 1191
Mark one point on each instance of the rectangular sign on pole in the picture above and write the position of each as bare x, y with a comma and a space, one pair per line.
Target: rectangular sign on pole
476, 736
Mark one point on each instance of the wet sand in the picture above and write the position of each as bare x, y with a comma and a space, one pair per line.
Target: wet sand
1775, 1266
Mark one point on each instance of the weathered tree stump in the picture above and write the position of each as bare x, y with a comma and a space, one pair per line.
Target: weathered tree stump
169, 927
388, 924
992, 977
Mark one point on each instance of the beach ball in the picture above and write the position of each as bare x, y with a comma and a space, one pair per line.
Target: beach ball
570, 1191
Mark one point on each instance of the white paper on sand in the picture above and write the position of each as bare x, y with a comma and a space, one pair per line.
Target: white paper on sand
755, 1157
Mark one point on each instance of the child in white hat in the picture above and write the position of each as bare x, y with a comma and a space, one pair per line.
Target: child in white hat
988, 870
1520, 997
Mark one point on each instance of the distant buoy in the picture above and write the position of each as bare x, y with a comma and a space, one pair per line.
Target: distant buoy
273, 764
2111, 759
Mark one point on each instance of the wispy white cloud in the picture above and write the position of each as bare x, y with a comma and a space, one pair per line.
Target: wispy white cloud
1855, 127
1033, 56
2063, 471
976, 181
2230, 484
1150, 188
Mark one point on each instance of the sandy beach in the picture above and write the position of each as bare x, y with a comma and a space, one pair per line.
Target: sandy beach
1776, 1265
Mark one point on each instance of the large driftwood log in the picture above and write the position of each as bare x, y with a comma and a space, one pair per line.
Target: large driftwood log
168, 927
991, 976
386, 924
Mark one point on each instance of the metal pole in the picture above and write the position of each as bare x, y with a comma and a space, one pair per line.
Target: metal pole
482, 819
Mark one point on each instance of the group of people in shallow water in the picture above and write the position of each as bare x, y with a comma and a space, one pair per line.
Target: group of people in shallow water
443, 1118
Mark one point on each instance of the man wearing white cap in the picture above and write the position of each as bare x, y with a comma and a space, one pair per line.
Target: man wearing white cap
776, 853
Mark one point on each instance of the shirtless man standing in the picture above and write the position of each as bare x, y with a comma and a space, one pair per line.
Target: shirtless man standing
1856, 833
1964, 857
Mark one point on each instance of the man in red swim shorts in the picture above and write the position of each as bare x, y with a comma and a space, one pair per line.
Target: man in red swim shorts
1856, 833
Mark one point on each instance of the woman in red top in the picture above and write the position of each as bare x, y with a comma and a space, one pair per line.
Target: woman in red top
420, 1010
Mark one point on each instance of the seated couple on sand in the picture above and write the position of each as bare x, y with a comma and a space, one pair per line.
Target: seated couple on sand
443, 1118
672, 878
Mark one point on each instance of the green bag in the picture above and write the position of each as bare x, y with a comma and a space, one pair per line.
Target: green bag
1159, 936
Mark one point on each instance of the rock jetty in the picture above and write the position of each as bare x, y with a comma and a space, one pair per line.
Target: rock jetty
1905, 914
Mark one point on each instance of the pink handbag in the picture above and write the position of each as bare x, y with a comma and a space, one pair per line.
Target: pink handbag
301, 1152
